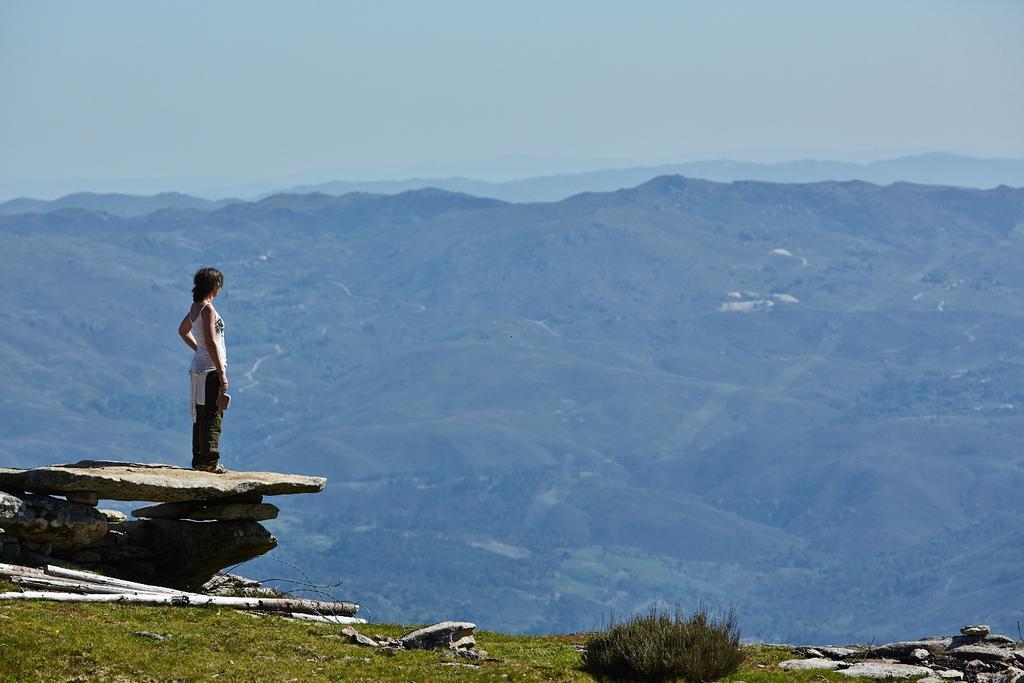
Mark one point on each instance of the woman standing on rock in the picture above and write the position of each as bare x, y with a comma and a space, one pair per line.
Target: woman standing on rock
203, 330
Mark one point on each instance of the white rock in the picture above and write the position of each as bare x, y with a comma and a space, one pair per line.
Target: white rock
437, 636
809, 664
976, 630
114, 515
885, 670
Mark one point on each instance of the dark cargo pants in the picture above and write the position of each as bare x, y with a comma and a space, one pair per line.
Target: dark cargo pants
206, 428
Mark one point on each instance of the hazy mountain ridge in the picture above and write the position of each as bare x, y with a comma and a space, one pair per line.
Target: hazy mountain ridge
541, 412
934, 169
118, 204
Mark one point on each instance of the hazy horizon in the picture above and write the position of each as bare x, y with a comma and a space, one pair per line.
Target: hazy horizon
118, 92
254, 188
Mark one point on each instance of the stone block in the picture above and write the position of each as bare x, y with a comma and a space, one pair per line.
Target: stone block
437, 636
202, 511
67, 526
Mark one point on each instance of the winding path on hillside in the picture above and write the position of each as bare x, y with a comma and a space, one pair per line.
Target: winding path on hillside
250, 375
348, 291
344, 288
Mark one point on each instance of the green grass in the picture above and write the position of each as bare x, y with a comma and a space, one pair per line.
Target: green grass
41, 641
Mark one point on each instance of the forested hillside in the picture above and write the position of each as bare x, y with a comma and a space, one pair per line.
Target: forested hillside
801, 400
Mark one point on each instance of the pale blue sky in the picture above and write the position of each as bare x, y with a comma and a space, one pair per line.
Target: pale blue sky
104, 90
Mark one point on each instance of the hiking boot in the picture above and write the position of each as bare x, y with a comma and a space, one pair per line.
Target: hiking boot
214, 467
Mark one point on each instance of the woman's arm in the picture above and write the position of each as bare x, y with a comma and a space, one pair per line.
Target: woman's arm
209, 315
185, 332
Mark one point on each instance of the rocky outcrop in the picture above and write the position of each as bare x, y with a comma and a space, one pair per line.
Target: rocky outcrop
183, 554
204, 521
453, 638
903, 649
43, 519
975, 657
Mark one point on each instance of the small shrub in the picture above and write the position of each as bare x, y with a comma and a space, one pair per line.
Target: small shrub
659, 647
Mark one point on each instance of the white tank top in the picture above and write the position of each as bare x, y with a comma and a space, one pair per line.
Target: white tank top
201, 362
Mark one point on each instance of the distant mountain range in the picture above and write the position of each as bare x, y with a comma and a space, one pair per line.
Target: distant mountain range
126, 205
932, 169
804, 400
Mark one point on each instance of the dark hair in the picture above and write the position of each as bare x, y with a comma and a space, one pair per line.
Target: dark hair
205, 280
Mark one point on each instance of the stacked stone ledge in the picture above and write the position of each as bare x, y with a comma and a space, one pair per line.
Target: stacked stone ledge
974, 656
202, 522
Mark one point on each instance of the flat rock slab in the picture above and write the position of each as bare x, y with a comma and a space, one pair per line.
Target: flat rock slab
986, 653
159, 483
812, 664
903, 649
976, 630
882, 670
995, 639
202, 512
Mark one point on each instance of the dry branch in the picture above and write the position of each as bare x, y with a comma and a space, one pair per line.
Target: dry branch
89, 577
336, 619
191, 600
70, 585
18, 570
70, 580
52, 584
